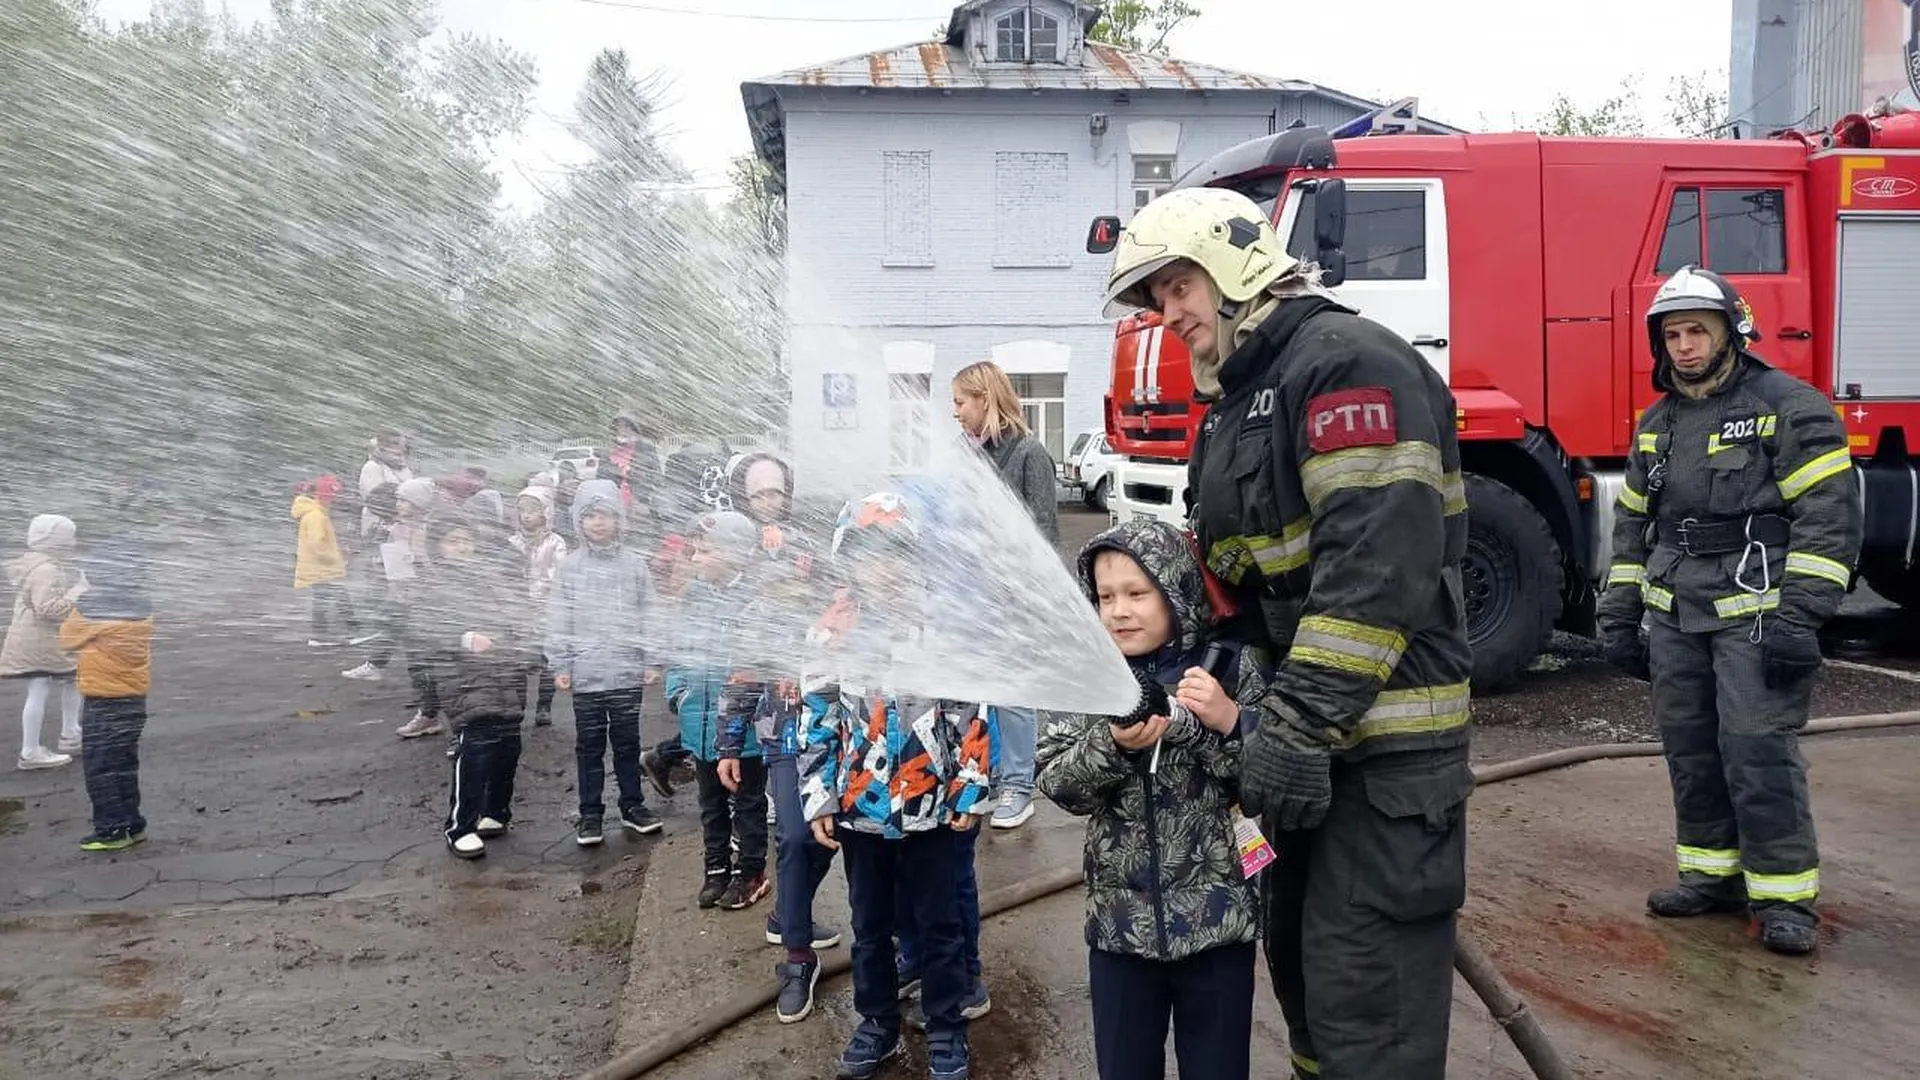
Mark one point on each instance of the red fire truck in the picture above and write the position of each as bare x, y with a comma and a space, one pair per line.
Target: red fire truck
1521, 267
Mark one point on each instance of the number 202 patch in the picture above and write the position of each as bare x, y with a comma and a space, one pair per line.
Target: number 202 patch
1740, 430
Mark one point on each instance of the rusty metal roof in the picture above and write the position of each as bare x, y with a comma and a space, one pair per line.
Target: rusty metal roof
930, 65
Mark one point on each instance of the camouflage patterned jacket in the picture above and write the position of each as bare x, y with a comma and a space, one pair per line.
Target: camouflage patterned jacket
1162, 868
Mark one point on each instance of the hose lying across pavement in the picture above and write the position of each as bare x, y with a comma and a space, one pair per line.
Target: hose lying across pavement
1508, 1009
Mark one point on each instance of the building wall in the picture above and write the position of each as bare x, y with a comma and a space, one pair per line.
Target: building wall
1807, 63
909, 223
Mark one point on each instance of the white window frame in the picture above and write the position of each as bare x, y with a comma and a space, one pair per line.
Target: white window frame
1021, 21
1035, 410
1146, 190
909, 422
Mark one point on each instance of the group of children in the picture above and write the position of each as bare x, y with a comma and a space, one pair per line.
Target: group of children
82, 624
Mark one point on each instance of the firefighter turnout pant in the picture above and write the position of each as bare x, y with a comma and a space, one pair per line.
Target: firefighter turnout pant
1743, 822
1360, 915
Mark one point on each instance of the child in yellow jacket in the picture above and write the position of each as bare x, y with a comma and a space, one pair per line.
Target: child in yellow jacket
320, 566
111, 630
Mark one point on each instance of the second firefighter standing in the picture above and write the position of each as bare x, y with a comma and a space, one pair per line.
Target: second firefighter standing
1735, 538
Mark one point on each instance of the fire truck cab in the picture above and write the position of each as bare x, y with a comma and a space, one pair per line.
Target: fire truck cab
1521, 267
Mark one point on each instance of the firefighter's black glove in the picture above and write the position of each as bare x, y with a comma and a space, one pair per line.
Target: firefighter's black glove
1789, 653
1626, 649
1153, 702
1293, 784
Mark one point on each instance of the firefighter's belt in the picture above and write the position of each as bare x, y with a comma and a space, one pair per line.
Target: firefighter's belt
1724, 536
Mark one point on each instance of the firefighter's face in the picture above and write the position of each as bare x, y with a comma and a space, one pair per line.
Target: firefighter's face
1188, 305
1132, 608
1693, 339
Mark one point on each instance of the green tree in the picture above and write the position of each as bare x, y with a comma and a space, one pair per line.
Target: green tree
1142, 25
1696, 105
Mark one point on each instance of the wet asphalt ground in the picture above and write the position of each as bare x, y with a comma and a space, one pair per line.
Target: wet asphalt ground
294, 914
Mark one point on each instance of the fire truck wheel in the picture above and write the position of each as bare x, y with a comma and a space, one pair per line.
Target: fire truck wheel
1895, 583
1512, 576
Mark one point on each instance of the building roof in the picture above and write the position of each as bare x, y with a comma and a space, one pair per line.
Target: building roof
936, 66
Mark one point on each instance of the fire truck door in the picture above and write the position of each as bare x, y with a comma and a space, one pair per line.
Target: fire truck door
1396, 248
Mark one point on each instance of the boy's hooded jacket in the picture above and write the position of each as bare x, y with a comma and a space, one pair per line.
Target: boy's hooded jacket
712, 686
542, 548
599, 612
40, 580
474, 597
317, 559
1162, 866
111, 628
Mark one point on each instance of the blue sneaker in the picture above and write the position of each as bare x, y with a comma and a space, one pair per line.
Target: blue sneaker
976, 1004
869, 1048
947, 1056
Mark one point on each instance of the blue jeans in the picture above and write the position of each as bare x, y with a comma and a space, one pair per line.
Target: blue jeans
885, 877
968, 893
110, 756
1019, 738
800, 864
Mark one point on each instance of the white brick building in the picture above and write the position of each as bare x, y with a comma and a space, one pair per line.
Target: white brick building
938, 196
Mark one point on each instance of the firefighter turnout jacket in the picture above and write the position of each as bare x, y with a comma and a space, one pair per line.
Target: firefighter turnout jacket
1325, 486
1740, 506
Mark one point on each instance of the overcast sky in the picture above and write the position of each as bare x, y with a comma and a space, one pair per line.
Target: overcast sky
1473, 63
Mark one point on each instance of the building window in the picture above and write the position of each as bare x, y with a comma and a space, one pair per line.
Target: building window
1152, 176
907, 191
1386, 234
1043, 398
909, 422
1030, 210
1744, 232
1026, 36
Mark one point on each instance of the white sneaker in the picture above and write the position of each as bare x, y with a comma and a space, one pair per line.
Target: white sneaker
1015, 808
469, 846
365, 673
419, 726
41, 758
69, 745
489, 828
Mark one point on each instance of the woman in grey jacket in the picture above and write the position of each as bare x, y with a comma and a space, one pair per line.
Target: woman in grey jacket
989, 413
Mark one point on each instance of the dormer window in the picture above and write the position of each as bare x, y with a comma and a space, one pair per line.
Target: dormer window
1025, 36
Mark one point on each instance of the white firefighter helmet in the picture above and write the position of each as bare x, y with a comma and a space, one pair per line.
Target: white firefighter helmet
1693, 289
1221, 231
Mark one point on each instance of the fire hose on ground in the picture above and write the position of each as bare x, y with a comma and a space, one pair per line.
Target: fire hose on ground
1507, 1008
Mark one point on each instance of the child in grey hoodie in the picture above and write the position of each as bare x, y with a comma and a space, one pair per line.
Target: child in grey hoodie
595, 619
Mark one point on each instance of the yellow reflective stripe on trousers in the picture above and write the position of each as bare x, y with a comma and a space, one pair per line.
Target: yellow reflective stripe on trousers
1734, 607
1799, 562
1624, 573
1453, 494
1657, 597
1305, 1064
1370, 467
1632, 499
1275, 555
1345, 645
1788, 887
1418, 711
1831, 463
1715, 862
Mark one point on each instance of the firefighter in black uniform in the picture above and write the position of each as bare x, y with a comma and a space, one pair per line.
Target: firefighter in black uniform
1325, 490
1735, 538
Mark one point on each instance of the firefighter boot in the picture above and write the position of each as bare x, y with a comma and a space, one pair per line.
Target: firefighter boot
1785, 929
1685, 901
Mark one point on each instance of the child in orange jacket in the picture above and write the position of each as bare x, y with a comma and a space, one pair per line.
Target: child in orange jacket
111, 630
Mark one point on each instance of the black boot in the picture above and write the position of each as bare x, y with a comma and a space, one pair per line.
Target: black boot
1685, 901
716, 883
1786, 930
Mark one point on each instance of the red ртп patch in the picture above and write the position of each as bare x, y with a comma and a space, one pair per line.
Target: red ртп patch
1359, 417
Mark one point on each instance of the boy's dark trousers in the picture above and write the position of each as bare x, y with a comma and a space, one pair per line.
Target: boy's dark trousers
332, 611
923, 868
727, 815
110, 731
968, 893
483, 770
601, 719
800, 864
1209, 997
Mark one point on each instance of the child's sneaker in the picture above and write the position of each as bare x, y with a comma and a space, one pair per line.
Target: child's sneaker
869, 1049
115, 840
588, 833
976, 1004
419, 726
467, 846
68, 744
40, 757
657, 772
714, 887
744, 891
824, 936
947, 1056
488, 828
797, 980
365, 673
641, 821
543, 718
